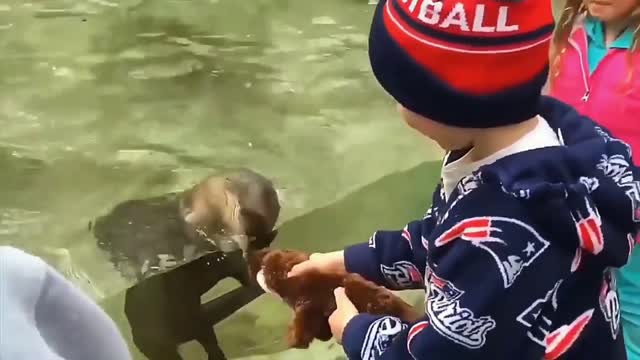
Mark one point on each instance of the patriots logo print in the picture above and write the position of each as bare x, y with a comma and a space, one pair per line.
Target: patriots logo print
486, 233
589, 228
560, 341
402, 275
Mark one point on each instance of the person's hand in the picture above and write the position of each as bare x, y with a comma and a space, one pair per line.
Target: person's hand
345, 311
326, 263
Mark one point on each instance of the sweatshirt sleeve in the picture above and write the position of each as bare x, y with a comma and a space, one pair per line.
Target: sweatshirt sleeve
394, 259
47, 317
492, 274
74, 325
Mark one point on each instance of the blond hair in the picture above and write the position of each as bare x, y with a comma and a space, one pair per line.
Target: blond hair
574, 10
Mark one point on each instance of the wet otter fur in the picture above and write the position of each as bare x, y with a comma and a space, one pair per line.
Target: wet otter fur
221, 213
242, 206
178, 246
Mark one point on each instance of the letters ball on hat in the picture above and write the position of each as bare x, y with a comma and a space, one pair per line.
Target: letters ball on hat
473, 63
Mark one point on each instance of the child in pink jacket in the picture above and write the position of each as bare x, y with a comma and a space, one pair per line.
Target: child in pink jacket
595, 69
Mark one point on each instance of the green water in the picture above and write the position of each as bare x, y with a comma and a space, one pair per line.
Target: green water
107, 100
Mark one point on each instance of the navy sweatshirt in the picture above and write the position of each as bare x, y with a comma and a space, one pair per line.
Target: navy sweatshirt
517, 263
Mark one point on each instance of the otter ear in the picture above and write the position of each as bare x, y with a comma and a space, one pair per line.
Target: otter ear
189, 214
191, 217
186, 206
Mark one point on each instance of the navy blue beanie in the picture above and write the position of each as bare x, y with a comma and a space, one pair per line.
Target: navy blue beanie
465, 63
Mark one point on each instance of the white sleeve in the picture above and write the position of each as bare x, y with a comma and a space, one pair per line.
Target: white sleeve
44, 316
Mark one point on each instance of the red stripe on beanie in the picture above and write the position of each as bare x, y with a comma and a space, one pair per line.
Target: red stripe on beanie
480, 16
476, 43
505, 46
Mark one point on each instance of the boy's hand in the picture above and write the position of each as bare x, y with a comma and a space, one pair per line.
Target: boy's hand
345, 311
326, 263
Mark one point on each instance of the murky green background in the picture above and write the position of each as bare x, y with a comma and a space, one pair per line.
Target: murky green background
103, 101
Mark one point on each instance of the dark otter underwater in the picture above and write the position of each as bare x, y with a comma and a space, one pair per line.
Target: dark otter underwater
178, 246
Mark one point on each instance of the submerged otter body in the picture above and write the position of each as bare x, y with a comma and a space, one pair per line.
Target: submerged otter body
144, 237
178, 246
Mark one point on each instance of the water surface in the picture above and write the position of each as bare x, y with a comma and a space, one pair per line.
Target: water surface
104, 101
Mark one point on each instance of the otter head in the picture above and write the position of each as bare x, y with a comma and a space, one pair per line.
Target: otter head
237, 211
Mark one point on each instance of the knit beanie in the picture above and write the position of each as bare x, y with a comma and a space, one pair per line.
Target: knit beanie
464, 63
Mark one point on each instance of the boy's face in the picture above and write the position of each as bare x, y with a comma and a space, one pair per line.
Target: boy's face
611, 10
448, 137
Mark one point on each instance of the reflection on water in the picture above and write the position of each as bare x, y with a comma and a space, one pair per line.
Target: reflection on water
108, 100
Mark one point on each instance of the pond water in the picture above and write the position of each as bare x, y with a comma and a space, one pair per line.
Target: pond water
102, 101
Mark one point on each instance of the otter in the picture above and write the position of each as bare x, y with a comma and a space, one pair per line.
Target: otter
235, 211
178, 246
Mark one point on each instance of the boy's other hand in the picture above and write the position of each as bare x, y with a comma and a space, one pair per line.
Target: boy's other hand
345, 311
326, 263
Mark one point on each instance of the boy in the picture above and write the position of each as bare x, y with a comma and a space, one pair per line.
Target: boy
535, 207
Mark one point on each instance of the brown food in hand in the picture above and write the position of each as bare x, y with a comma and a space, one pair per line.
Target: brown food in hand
311, 295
